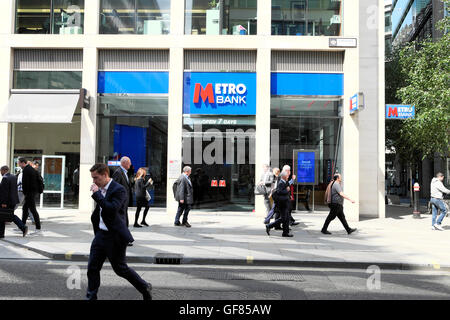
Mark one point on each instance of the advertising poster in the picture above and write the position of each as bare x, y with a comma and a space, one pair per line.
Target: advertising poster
306, 167
53, 174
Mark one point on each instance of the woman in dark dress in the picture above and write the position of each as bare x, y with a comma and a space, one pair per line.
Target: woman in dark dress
142, 196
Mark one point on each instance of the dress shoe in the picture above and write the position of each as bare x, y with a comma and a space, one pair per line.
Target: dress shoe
25, 231
137, 225
295, 223
268, 230
287, 235
91, 296
177, 224
350, 231
144, 223
186, 224
325, 232
147, 295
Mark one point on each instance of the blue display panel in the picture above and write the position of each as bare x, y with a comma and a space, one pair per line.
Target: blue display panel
306, 167
219, 93
307, 84
133, 82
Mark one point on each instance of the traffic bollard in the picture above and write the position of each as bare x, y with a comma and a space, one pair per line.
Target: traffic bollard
416, 212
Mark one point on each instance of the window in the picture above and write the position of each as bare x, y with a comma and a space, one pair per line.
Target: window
50, 16
47, 79
135, 17
307, 18
236, 17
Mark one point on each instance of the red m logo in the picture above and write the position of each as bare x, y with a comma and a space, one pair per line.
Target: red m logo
206, 93
393, 112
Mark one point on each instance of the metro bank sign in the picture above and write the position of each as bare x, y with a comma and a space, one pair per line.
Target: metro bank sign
219, 93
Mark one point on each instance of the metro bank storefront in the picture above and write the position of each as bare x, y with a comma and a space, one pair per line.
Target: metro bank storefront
219, 137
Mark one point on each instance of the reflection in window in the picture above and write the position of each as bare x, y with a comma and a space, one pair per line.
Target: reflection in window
47, 79
135, 17
307, 17
220, 17
50, 16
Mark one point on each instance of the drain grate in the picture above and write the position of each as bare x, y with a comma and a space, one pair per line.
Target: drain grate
258, 276
168, 258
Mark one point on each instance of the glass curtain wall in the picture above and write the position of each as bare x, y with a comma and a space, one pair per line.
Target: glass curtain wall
308, 124
50, 16
307, 17
135, 17
135, 126
233, 17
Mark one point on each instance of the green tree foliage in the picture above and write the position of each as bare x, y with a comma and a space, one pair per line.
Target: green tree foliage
423, 72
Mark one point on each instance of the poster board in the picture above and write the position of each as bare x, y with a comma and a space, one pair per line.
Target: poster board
53, 173
305, 166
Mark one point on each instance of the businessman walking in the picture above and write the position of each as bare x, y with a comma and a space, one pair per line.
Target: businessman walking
111, 233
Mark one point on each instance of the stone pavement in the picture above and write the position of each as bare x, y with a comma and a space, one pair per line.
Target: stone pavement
236, 238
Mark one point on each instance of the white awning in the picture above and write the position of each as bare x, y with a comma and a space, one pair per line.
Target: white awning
40, 108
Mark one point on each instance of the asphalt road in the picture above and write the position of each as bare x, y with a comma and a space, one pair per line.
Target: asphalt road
44, 279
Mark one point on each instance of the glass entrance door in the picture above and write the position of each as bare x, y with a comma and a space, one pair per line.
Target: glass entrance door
221, 152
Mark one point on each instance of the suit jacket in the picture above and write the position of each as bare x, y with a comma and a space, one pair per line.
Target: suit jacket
8, 191
30, 180
113, 213
185, 190
282, 192
119, 177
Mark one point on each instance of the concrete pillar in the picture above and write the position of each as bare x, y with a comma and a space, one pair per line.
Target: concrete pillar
6, 69
264, 18
262, 148
350, 127
175, 125
89, 117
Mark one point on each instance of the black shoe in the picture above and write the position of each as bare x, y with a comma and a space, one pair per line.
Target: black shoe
147, 295
295, 223
267, 230
137, 225
325, 232
186, 224
144, 223
177, 224
287, 235
91, 296
350, 231
25, 231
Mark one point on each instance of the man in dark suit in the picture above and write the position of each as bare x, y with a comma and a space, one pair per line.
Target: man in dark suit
184, 196
282, 203
9, 198
30, 187
121, 176
111, 233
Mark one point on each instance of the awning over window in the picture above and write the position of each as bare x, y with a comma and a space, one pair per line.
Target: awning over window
40, 108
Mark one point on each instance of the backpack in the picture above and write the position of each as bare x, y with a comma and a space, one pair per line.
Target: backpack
40, 184
327, 197
175, 188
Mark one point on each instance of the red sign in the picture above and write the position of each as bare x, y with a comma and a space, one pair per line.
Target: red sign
222, 183
213, 183
206, 93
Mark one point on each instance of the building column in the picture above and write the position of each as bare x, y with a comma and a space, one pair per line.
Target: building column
175, 124
6, 68
88, 134
350, 124
262, 135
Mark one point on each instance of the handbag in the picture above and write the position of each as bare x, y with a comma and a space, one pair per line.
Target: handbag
260, 190
148, 197
6, 215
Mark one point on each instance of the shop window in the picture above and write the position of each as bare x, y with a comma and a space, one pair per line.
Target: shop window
220, 17
135, 17
50, 16
47, 79
307, 17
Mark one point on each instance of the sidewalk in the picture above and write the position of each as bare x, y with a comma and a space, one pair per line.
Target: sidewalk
397, 242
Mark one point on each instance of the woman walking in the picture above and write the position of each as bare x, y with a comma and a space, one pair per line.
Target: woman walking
142, 196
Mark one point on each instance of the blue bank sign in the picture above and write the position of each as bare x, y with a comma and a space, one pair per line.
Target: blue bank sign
398, 111
306, 167
219, 93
